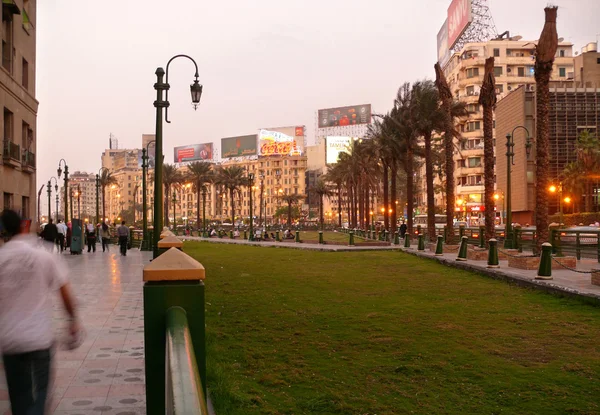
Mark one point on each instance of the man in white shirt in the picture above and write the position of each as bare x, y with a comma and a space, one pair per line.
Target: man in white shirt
28, 277
62, 234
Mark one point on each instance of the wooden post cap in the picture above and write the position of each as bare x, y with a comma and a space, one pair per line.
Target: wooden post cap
174, 265
166, 233
170, 242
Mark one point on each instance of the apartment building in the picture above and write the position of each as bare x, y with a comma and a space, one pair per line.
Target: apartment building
587, 66
17, 98
513, 68
82, 196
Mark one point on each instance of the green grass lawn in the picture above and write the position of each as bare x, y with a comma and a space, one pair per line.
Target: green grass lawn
304, 332
327, 236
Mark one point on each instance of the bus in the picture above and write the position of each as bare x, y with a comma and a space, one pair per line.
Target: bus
440, 221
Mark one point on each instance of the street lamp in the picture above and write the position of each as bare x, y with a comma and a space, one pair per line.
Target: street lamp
98, 175
567, 200
510, 160
59, 172
49, 190
372, 221
251, 187
159, 104
559, 191
145, 166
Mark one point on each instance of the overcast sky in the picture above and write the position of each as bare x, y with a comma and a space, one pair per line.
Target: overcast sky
263, 63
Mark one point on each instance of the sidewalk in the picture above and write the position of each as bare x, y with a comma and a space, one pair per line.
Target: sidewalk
106, 374
564, 281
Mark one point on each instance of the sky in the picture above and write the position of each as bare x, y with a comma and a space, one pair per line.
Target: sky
263, 63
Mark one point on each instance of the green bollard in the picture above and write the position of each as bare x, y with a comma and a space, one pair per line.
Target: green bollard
297, 237
439, 248
482, 236
321, 237
277, 236
545, 268
462, 252
351, 239
493, 254
230, 234
245, 235
396, 238
407, 240
421, 244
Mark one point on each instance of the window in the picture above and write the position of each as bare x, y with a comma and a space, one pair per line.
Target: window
521, 71
470, 90
473, 107
496, 52
8, 200
562, 72
25, 74
497, 70
8, 125
285, 162
472, 72
562, 53
598, 61
7, 37
475, 162
499, 89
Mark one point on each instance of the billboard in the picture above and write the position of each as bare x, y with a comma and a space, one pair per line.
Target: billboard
442, 44
343, 116
459, 18
334, 146
277, 142
238, 146
193, 152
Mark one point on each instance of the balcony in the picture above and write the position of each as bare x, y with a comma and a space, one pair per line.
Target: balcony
28, 161
11, 152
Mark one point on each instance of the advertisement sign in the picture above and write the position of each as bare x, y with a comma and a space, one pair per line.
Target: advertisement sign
343, 116
193, 152
335, 146
276, 143
238, 146
442, 45
299, 132
459, 18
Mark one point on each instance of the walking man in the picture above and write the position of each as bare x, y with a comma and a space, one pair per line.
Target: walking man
123, 234
90, 232
28, 277
50, 235
403, 229
62, 233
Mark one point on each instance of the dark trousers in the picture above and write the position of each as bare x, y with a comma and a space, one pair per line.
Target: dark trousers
123, 244
104, 244
27, 375
91, 243
61, 241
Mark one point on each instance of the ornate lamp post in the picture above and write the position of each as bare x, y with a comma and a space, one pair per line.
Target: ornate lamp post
49, 191
59, 172
145, 165
510, 160
159, 104
97, 194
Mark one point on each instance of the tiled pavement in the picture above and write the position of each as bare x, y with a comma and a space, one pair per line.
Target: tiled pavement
106, 374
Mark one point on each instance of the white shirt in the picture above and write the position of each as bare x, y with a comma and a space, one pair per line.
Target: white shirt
62, 228
29, 276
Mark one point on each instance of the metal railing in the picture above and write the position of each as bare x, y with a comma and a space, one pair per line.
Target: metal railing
184, 393
28, 159
11, 150
580, 244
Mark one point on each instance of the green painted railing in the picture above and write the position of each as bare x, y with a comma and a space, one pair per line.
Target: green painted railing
184, 391
585, 243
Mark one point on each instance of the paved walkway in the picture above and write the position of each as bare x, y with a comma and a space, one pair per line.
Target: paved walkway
106, 374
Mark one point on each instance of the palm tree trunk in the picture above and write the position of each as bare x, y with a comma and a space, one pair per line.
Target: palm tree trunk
232, 207
339, 185
349, 203
430, 192
198, 210
386, 200
394, 173
487, 99
289, 214
588, 195
410, 201
166, 203
546, 50
367, 210
103, 204
321, 211
361, 204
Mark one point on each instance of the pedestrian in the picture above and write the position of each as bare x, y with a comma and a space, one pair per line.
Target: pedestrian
28, 277
50, 235
62, 234
403, 229
105, 236
90, 233
123, 234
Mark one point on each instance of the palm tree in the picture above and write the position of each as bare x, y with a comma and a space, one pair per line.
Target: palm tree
231, 179
290, 200
487, 98
571, 180
544, 60
588, 157
106, 179
200, 174
171, 176
335, 175
321, 190
427, 118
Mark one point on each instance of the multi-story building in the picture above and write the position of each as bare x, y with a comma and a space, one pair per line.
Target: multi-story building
513, 68
17, 98
572, 111
587, 66
82, 196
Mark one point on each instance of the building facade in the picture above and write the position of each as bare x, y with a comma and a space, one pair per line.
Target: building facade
513, 68
17, 98
82, 196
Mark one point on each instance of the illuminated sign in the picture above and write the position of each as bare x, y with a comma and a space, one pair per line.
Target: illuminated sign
277, 143
335, 146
